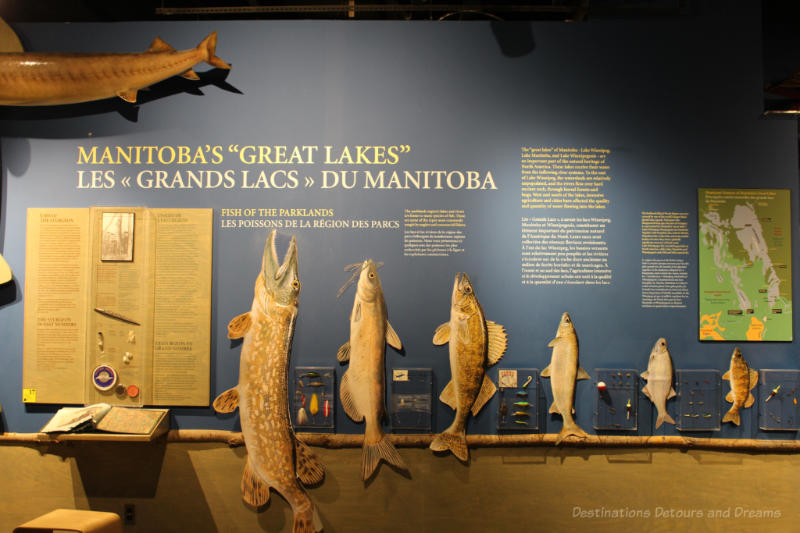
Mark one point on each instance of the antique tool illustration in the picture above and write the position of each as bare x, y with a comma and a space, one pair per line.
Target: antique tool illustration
659, 380
742, 379
275, 458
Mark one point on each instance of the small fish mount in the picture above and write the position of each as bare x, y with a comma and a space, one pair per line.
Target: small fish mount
778, 400
518, 399
313, 398
617, 404
411, 399
699, 400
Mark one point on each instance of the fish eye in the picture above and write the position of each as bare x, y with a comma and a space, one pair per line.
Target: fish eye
468, 289
296, 284
372, 275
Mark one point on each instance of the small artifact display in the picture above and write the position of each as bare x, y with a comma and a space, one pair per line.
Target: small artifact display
474, 344
275, 458
313, 397
617, 400
362, 390
699, 400
659, 380
411, 397
778, 396
564, 370
56, 78
742, 379
518, 409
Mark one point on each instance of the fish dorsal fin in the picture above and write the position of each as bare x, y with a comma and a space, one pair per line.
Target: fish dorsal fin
190, 75
442, 334
671, 393
343, 355
309, 468
582, 374
227, 402
357, 312
128, 95
498, 341
392, 338
487, 391
726, 375
160, 45
254, 491
347, 400
448, 395
546, 372
753, 378
239, 325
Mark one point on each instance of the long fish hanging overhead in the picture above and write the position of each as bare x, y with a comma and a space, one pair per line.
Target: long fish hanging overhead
275, 458
475, 344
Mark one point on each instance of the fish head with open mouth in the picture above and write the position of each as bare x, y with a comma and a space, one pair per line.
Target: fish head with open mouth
464, 300
565, 326
369, 284
280, 282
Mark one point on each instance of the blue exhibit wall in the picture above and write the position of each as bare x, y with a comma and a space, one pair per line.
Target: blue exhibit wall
676, 101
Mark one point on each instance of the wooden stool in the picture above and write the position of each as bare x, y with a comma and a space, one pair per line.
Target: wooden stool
73, 520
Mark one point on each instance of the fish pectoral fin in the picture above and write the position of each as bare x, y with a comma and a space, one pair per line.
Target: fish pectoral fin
442, 334
160, 45
546, 372
347, 400
128, 95
582, 374
671, 393
750, 400
392, 338
726, 375
753, 378
343, 355
645, 375
487, 391
190, 75
227, 402
448, 395
552, 343
238, 326
554, 408
498, 341
254, 491
308, 467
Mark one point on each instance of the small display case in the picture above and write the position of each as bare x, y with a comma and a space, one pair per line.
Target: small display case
411, 398
518, 395
617, 404
778, 397
314, 397
699, 400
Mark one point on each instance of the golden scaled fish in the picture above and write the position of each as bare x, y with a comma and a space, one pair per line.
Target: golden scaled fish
659, 381
275, 458
742, 379
362, 388
563, 371
31, 78
474, 344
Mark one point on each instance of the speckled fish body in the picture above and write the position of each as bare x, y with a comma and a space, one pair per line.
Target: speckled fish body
742, 379
30, 78
362, 388
275, 458
659, 381
474, 344
563, 371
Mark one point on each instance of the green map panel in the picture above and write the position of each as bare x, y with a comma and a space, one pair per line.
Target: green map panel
745, 264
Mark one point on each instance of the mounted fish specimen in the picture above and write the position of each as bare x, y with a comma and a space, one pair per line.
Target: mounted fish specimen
275, 458
659, 380
363, 384
474, 344
742, 379
563, 371
32, 78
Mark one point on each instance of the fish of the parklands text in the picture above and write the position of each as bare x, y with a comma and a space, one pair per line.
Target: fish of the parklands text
742, 379
363, 384
659, 380
33, 78
563, 371
275, 458
474, 344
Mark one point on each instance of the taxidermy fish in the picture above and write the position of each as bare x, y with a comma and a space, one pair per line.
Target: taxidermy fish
275, 458
742, 379
32, 78
362, 388
563, 371
474, 344
659, 380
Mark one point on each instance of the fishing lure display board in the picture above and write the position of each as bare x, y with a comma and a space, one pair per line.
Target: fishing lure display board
411, 397
518, 399
314, 398
779, 411
699, 400
617, 405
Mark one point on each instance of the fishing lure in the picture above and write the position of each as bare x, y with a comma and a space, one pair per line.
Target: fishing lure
522, 404
773, 393
521, 413
310, 374
314, 407
522, 394
302, 417
326, 408
527, 382
521, 422
316, 384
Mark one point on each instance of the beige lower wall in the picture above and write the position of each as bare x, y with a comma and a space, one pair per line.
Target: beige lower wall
188, 487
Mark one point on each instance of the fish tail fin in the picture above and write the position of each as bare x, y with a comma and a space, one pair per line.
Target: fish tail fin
209, 46
664, 417
732, 416
456, 442
570, 428
372, 454
306, 521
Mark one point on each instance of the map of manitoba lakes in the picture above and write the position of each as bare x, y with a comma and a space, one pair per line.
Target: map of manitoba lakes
745, 264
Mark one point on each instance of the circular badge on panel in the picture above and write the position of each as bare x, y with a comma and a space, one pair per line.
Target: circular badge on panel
133, 391
104, 377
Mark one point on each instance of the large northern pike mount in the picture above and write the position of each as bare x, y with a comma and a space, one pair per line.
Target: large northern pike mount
275, 458
37, 79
